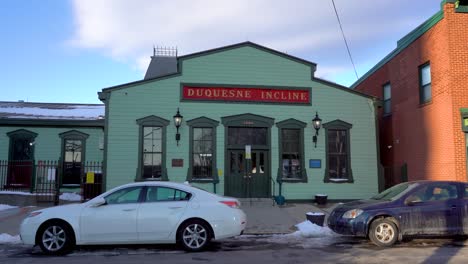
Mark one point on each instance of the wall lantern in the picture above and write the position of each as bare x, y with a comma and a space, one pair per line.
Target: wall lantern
317, 122
177, 121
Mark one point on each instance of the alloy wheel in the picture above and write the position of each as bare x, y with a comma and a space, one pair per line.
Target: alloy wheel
54, 238
384, 233
195, 236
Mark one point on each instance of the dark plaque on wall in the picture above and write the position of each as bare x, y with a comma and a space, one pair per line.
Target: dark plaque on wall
177, 162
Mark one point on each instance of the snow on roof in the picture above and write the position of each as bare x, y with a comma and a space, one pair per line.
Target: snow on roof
26, 110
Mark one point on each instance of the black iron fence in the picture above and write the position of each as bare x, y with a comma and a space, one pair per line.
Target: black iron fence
44, 178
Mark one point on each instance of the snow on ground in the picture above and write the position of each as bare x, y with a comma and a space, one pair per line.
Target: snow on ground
9, 239
308, 235
70, 197
6, 206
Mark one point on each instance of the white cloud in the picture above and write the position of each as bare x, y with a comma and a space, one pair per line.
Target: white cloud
127, 30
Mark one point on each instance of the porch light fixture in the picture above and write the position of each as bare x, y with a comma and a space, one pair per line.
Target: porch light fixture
177, 121
317, 122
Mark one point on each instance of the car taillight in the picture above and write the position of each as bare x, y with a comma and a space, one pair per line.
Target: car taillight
232, 204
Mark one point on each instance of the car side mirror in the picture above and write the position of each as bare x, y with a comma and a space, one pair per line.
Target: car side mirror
98, 202
410, 201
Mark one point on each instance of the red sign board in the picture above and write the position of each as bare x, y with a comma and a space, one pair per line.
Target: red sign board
236, 94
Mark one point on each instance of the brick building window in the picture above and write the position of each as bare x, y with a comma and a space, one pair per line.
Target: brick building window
387, 99
425, 93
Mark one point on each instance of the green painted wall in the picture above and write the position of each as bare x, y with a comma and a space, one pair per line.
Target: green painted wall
48, 142
244, 66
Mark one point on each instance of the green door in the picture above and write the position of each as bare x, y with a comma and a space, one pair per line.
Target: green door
248, 178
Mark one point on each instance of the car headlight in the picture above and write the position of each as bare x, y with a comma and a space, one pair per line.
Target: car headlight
352, 213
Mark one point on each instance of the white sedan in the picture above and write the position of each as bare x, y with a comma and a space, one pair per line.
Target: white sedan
137, 213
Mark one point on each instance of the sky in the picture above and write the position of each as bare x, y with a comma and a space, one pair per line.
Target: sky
67, 51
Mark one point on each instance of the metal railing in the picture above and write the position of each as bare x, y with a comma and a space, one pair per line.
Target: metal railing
44, 178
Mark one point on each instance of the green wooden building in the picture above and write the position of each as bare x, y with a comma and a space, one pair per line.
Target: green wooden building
246, 127
41, 143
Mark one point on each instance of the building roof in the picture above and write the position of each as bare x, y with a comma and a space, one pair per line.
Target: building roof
51, 111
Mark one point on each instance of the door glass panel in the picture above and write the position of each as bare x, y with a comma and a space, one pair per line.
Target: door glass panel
240, 162
73, 150
262, 163
254, 162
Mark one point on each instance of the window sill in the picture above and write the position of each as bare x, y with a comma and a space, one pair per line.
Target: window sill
293, 180
332, 180
425, 104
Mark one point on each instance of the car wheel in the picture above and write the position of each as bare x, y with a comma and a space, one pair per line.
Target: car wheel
383, 232
56, 238
194, 235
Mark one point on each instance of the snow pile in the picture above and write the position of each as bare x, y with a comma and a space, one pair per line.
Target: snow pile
9, 239
70, 197
307, 229
6, 206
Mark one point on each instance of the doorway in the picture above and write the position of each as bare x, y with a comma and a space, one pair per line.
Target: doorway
21, 159
248, 178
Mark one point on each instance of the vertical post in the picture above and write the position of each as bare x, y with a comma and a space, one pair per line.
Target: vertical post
33, 172
58, 171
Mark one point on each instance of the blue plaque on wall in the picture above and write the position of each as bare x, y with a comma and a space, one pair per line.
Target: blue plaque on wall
315, 163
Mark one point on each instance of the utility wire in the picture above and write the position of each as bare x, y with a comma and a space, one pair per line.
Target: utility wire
344, 38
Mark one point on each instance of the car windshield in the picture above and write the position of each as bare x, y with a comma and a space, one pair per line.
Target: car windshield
394, 192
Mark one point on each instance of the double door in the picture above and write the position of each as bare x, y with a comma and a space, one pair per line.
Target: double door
248, 177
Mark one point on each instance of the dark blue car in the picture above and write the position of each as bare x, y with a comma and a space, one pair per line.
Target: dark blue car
420, 208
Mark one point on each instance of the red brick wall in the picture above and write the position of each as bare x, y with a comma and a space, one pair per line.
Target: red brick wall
428, 137
458, 43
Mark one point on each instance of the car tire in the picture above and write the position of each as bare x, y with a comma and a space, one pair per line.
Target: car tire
383, 232
194, 235
55, 238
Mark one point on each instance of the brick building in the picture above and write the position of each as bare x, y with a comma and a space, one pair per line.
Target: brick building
423, 124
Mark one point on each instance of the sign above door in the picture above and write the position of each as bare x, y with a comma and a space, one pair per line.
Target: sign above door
227, 94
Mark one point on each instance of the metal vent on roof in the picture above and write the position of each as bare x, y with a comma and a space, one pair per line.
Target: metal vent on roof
163, 62
164, 51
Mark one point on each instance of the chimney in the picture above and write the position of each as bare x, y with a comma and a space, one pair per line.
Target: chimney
163, 62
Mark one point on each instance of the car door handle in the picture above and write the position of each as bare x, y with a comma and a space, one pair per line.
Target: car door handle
454, 207
175, 207
128, 210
